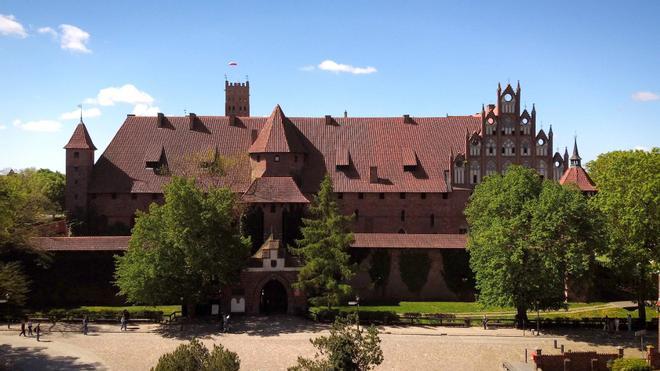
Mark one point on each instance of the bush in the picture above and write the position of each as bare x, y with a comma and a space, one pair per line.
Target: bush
194, 356
630, 364
414, 269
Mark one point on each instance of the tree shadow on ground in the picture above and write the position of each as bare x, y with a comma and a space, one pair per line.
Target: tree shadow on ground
34, 358
598, 337
251, 325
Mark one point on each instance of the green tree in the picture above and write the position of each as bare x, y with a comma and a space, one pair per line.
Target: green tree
628, 185
194, 356
188, 247
526, 237
346, 348
324, 249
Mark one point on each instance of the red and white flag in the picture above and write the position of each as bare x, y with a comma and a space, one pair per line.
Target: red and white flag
233, 64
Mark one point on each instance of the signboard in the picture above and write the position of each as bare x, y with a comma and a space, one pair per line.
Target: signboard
352, 303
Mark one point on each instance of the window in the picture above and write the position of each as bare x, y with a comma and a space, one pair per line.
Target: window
258, 158
490, 148
525, 148
76, 154
490, 127
361, 195
114, 196
277, 158
134, 196
423, 195
381, 196
432, 220
541, 169
509, 149
445, 196
459, 172
357, 214
403, 215
272, 208
475, 172
340, 196
491, 168
475, 148
402, 195
541, 148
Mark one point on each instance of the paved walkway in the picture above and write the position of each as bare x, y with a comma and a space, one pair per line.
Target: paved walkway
274, 343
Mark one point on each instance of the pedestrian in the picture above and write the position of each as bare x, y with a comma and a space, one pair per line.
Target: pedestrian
629, 322
29, 327
38, 330
22, 328
123, 323
484, 322
85, 325
606, 323
616, 325
127, 317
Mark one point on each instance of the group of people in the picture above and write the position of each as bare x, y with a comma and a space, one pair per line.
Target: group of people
612, 324
37, 329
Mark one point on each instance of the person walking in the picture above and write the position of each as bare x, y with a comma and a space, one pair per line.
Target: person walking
123, 323
85, 324
29, 327
606, 323
484, 322
616, 325
37, 330
22, 329
629, 322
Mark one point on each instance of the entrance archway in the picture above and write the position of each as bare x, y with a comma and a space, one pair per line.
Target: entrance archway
273, 298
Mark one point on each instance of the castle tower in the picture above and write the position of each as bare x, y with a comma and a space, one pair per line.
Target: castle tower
237, 99
79, 165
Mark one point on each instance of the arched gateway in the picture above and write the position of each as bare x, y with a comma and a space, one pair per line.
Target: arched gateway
274, 298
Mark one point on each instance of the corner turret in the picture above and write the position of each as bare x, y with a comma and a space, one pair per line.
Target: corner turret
79, 164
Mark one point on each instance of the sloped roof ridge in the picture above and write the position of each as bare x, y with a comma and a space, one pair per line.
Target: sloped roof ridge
80, 138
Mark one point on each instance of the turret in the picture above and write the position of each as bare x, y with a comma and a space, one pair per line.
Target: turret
576, 160
79, 165
237, 99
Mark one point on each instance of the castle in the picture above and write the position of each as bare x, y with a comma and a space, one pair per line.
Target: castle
405, 179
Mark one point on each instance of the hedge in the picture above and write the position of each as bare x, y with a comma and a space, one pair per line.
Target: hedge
76, 314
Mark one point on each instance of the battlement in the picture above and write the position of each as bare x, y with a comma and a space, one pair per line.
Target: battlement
237, 84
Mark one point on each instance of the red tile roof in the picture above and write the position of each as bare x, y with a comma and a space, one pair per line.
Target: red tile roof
409, 241
277, 136
371, 141
274, 189
80, 139
96, 243
409, 157
578, 176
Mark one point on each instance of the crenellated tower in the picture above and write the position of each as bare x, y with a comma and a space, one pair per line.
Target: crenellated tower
237, 99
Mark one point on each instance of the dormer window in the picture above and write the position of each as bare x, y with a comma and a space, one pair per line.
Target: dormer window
152, 165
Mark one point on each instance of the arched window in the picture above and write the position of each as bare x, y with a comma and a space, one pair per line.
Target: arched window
490, 147
525, 151
541, 169
475, 172
509, 149
459, 172
541, 147
403, 215
432, 220
524, 126
508, 127
491, 168
475, 148
558, 166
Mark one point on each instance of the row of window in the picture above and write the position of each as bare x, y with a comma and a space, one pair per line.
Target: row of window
402, 216
134, 196
474, 171
381, 196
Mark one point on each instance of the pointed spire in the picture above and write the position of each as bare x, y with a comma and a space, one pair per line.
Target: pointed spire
576, 160
80, 106
80, 139
518, 87
278, 135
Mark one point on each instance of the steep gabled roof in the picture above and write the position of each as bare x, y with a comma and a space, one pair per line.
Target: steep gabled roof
80, 139
277, 136
274, 189
578, 176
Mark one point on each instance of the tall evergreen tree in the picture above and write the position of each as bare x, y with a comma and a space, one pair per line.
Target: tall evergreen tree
324, 249
526, 237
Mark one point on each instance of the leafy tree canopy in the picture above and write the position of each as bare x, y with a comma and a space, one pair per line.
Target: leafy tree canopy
324, 249
628, 185
188, 247
526, 236
194, 356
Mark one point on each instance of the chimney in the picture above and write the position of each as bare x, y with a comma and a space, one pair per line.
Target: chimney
373, 174
161, 119
328, 120
406, 119
345, 113
254, 134
191, 120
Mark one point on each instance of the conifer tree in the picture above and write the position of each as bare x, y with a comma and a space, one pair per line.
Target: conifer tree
324, 249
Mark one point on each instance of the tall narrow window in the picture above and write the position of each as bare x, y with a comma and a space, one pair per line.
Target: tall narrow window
357, 214
403, 215
432, 220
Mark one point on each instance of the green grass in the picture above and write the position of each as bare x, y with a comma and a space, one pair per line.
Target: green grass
166, 309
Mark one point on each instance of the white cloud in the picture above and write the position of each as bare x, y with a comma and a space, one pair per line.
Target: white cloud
123, 94
645, 96
48, 31
75, 114
74, 39
9, 26
332, 66
145, 110
47, 126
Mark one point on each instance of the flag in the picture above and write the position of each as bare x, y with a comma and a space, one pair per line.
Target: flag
233, 64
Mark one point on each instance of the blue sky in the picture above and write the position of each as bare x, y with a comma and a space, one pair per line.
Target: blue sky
591, 67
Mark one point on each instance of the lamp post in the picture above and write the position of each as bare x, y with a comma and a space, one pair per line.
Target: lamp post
356, 303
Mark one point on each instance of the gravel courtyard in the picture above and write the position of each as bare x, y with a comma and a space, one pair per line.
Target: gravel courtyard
273, 343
